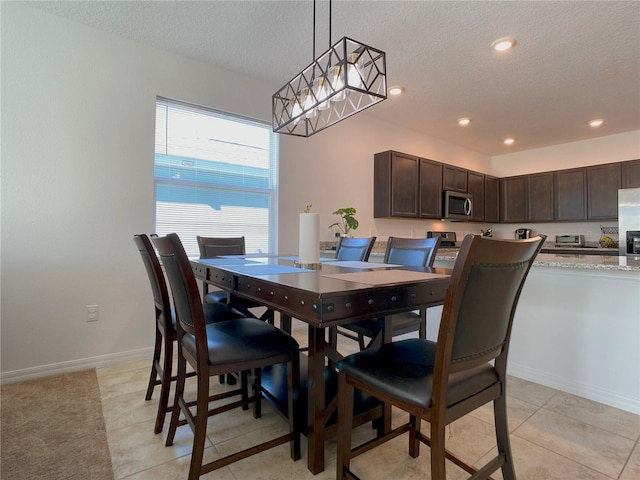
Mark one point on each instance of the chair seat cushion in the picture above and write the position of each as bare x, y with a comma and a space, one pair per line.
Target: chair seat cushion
242, 340
404, 370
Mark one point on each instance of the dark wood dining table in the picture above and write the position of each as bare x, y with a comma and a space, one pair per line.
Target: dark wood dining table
338, 293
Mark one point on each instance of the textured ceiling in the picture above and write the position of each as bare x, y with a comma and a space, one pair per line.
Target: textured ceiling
574, 61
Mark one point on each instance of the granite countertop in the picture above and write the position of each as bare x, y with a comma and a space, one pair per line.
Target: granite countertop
553, 260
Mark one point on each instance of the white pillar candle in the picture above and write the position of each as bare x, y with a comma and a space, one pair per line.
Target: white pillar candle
309, 247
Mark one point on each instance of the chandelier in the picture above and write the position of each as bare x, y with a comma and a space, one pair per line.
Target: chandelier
344, 80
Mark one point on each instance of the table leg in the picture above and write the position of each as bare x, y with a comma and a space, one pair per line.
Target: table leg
285, 323
316, 400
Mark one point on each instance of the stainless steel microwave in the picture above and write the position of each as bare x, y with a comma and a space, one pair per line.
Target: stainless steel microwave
456, 205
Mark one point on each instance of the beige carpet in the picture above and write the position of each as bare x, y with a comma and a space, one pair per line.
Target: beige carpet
52, 428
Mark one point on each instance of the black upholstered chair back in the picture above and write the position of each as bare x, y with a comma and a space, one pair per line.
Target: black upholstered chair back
186, 296
156, 279
417, 252
355, 249
481, 302
217, 246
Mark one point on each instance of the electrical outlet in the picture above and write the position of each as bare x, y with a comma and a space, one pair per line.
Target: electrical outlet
92, 313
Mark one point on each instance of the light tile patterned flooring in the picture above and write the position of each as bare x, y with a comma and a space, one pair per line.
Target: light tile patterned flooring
554, 435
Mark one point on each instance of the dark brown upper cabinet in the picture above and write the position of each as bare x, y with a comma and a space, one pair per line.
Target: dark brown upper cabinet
395, 185
513, 199
540, 197
631, 174
603, 182
571, 194
491, 199
454, 178
430, 189
475, 187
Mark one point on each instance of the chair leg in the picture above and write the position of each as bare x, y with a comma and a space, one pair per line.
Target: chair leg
244, 382
154, 361
414, 443
502, 437
257, 393
200, 430
345, 426
165, 386
179, 395
293, 383
438, 453
422, 332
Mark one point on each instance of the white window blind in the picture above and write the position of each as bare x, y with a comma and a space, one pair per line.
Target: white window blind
215, 176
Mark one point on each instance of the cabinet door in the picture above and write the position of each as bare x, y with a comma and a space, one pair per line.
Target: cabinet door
571, 194
540, 197
603, 182
430, 189
491, 199
475, 187
513, 199
395, 185
631, 174
454, 178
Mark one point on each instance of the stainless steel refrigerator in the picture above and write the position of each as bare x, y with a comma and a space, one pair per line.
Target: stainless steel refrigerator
629, 221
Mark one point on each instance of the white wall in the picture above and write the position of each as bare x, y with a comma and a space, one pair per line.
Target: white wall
78, 113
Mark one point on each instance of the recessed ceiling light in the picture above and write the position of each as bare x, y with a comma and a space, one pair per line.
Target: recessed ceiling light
463, 122
395, 90
503, 44
509, 141
596, 123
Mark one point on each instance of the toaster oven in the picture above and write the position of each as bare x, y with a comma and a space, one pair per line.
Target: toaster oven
569, 240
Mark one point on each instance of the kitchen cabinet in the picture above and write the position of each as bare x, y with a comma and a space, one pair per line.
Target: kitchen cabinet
475, 187
571, 194
603, 182
631, 174
491, 199
395, 185
454, 178
430, 189
540, 197
513, 199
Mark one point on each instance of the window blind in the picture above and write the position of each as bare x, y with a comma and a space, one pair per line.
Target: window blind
215, 175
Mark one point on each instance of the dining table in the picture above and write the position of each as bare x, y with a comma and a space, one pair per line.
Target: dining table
329, 294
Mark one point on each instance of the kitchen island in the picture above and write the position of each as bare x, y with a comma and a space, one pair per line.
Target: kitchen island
577, 326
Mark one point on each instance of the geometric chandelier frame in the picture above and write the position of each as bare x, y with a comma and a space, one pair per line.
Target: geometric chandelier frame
344, 80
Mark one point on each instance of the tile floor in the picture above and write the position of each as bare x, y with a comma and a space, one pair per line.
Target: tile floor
554, 435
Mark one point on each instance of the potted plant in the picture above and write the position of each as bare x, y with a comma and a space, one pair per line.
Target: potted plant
347, 223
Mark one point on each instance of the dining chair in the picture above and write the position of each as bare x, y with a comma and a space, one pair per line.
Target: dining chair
419, 252
355, 249
245, 345
165, 327
211, 247
466, 369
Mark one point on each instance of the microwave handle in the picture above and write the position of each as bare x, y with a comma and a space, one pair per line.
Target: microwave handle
467, 207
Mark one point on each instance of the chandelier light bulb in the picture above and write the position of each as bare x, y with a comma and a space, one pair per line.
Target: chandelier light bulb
337, 84
322, 93
296, 110
354, 78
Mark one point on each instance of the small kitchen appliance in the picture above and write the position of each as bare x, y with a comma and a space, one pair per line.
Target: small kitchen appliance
522, 233
456, 205
629, 221
448, 239
569, 240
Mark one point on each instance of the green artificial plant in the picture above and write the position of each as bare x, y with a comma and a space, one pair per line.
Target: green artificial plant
348, 222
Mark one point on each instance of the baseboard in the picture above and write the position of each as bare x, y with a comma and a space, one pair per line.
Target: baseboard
74, 365
590, 392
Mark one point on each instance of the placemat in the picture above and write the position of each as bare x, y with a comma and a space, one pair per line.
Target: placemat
226, 261
265, 269
385, 277
357, 264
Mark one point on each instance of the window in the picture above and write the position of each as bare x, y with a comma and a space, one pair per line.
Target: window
215, 176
